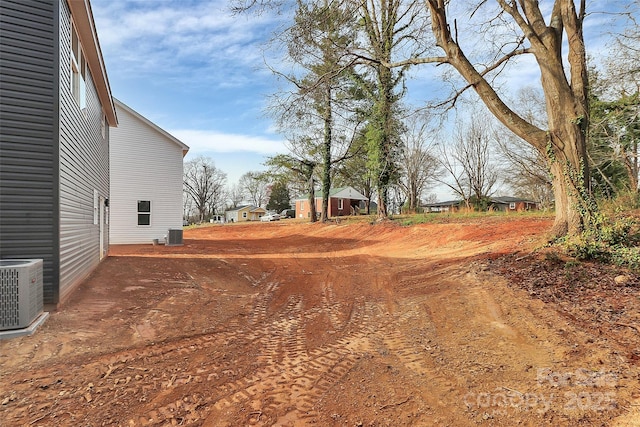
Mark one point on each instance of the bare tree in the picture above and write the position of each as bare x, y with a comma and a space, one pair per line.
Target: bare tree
551, 33
520, 28
205, 185
526, 169
614, 134
470, 164
454, 177
236, 195
303, 171
187, 205
622, 66
418, 163
255, 187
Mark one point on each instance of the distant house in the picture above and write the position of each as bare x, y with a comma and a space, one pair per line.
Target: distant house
503, 203
146, 179
342, 201
244, 213
55, 112
448, 206
512, 204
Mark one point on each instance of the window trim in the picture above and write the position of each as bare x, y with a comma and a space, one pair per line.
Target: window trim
78, 70
340, 204
512, 205
96, 207
141, 213
103, 127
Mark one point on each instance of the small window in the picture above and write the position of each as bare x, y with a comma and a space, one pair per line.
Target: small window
78, 70
512, 205
103, 127
244, 214
144, 212
340, 204
96, 207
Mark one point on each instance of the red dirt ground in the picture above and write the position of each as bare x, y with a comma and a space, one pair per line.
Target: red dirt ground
350, 324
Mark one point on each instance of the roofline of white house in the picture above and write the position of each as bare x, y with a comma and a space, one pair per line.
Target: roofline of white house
337, 196
185, 147
251, 208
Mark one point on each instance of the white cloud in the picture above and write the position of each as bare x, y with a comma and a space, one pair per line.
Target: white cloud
199, 39
205, 141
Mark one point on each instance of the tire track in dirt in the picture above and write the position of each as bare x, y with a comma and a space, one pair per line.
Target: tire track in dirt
294, 378
320, 339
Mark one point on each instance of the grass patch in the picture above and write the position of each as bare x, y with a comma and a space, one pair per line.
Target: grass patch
462, 216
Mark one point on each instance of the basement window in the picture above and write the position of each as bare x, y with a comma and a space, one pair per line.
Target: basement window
144, 212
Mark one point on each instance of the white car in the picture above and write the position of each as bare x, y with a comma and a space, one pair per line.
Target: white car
270, 217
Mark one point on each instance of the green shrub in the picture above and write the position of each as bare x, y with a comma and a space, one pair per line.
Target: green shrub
612, 238
626, 257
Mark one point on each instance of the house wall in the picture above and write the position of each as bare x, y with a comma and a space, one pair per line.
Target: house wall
524, 206
231, 216
303, 211
334, 205
84, 171
145, 165
241, 215
519, 207
28, 135
255, 216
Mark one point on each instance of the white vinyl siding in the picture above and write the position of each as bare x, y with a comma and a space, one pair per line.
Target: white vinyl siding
231, 216
145, 166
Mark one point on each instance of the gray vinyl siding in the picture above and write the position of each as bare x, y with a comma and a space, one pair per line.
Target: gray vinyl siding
29, 136
84, 166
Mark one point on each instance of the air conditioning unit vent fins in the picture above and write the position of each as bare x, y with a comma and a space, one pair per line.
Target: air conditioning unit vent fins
20, 292
174, 238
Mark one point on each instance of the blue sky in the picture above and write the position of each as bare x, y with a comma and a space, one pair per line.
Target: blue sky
198, 71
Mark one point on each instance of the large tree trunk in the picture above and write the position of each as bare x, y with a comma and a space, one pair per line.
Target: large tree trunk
326, 155
564, 143
312, 200
385, 136
413, 199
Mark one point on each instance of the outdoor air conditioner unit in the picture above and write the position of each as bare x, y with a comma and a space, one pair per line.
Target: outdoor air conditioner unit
174, 238
20, 292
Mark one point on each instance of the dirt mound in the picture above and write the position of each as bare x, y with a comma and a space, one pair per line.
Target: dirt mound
294, 324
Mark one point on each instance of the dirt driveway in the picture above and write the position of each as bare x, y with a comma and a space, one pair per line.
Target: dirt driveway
293, 324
